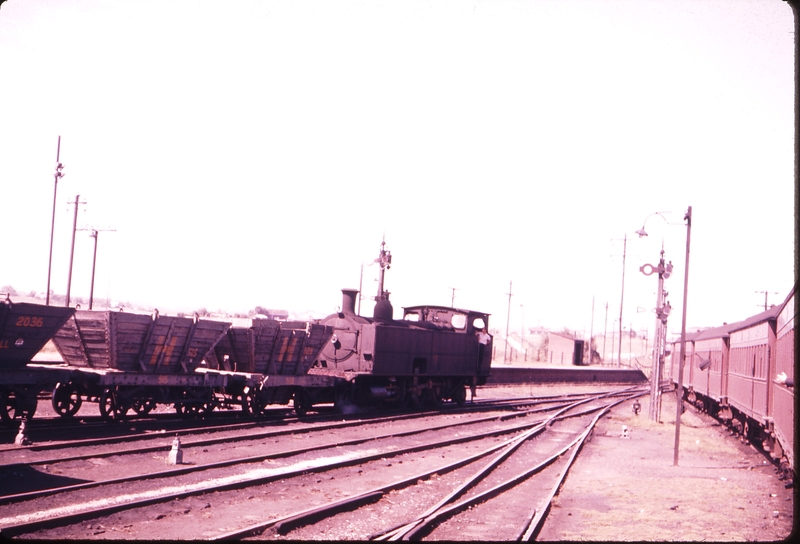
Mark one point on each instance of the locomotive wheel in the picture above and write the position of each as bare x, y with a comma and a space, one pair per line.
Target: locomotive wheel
143, 407
11, 406
460, 395
110, 406
431, 398
66, 399
405, 397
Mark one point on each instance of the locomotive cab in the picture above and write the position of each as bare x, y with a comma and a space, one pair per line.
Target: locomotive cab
447, 318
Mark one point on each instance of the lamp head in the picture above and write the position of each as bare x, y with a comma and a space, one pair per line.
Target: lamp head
641, 232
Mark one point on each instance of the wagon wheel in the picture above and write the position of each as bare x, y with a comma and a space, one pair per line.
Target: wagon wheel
746, 432
194, 404
11, 406
8, 406
110, 406
256, 406
66, 399
244, 401
242, 398
143, 407
302, 402
254, 403
192, 409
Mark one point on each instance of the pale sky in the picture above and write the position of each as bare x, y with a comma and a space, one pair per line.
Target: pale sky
255, 153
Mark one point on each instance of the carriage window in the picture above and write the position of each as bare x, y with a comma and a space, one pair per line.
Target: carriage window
412, 317
478, 323
458, 321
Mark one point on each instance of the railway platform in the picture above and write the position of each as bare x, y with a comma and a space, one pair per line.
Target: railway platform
624, 485
507, 374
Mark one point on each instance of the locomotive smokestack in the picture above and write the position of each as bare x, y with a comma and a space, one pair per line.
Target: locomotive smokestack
349, 301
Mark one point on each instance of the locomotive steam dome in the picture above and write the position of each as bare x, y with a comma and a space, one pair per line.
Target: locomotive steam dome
383, 308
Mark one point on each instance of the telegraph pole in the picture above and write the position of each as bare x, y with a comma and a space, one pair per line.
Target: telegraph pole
94, 234
72, 252
591, 332
453, 297
58, 174
508, 320
621, 296
766, 294
94, 262
605, 330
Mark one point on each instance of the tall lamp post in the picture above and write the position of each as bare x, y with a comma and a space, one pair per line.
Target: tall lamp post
679, 392
59, 174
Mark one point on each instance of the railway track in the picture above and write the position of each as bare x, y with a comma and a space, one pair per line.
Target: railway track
419, 442
61, 437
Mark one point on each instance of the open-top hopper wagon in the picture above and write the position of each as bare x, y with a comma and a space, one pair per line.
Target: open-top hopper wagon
135, 361
275, 356
24, 330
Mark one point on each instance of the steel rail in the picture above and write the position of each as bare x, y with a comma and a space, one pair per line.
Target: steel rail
257, 436
291, 521
354, 418
44, 423
308, 515
418, 528
535, 523
65, 519
399, 532
26, 527
6, 499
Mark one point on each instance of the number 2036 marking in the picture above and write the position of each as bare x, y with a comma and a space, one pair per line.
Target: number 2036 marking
28, 321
